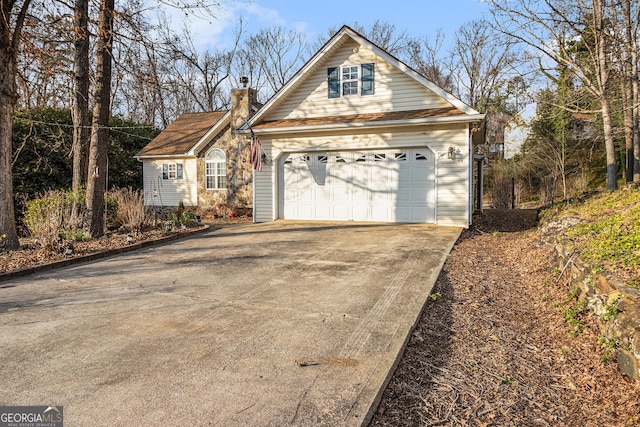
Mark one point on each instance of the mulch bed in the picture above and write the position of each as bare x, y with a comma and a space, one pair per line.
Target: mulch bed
32, 255
494, 349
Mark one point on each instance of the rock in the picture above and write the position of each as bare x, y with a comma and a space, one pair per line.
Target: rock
628, 364
549, 232
602, 284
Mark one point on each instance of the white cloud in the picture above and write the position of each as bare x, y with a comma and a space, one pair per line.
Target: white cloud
263, 15
215, 31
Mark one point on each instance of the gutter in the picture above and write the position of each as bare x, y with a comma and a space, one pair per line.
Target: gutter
376, 124
163, 156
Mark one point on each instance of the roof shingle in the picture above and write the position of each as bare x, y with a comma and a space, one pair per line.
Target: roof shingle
181, 135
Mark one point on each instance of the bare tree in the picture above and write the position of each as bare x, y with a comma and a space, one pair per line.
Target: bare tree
11, 24
96, 183
80, 109
552, 28
485, 60
278, 52
426, 58
44, 57
201, 76
383, 34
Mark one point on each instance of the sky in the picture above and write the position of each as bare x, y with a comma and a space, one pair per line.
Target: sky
314, 18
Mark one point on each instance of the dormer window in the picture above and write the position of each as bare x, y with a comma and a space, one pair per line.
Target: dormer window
351, 80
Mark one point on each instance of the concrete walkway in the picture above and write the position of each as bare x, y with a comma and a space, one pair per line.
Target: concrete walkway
283, 323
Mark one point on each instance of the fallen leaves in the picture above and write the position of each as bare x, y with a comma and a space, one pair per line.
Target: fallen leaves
492, 349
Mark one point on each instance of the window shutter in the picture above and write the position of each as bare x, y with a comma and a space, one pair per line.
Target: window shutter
334, 82
368, 79
165, 171
178, 170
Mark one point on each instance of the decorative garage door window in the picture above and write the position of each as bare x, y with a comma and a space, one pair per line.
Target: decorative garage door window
400, 156
216, 169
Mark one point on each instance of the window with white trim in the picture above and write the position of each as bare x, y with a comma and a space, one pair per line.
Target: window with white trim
172, 171
216, 169
351, 80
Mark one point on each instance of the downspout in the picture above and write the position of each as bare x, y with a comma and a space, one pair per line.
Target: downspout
253, 195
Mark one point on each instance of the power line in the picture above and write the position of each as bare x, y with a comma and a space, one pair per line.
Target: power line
83, 127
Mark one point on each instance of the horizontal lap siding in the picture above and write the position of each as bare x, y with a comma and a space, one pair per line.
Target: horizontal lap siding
263, 190
452, 187
169, 192
394, 90
437, 137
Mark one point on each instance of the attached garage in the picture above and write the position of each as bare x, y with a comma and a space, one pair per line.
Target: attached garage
357, 135
395, 185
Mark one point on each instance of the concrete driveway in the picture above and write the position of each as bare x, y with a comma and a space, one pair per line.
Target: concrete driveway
283, 323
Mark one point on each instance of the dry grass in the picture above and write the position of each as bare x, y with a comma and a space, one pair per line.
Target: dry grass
130, 212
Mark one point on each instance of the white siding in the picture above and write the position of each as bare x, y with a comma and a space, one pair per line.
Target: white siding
169, 192
394, 90
264, 182
452, 188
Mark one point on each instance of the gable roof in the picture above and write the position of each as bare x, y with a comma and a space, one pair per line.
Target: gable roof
181, 136
344, 34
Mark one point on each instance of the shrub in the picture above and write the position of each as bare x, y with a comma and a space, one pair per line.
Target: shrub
129, 207
55, 216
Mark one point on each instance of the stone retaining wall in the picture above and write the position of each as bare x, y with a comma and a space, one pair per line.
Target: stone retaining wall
614, 303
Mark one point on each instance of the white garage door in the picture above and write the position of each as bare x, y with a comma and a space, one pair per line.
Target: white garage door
381, 185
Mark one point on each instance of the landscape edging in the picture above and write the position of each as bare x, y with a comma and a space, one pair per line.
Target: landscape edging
9, 275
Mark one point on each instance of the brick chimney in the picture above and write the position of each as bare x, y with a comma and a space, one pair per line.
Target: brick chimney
243, 103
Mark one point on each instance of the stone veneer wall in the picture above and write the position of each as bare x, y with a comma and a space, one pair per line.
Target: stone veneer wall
615, 304
237, 198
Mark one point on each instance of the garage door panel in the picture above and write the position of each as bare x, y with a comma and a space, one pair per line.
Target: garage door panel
404, 194
360, 212
421, 214
341, 213
419, 193
403, 212
323, 194
323, 212
381, 213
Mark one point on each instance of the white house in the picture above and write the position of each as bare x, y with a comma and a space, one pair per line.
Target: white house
357, 135
200, 160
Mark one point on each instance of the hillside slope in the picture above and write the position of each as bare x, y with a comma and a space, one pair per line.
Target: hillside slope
495, 345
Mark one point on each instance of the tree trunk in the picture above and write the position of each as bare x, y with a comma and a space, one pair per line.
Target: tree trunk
627, 103
9, 40
97, 173
8, 233
632, 34
630, 70
609, 144
80, 109
603, 92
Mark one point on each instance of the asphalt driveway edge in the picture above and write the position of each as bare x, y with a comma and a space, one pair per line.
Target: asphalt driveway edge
432, 279
9, 275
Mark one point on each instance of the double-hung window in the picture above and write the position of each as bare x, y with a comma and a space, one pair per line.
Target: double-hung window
172, 171
351, 80
216, 169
